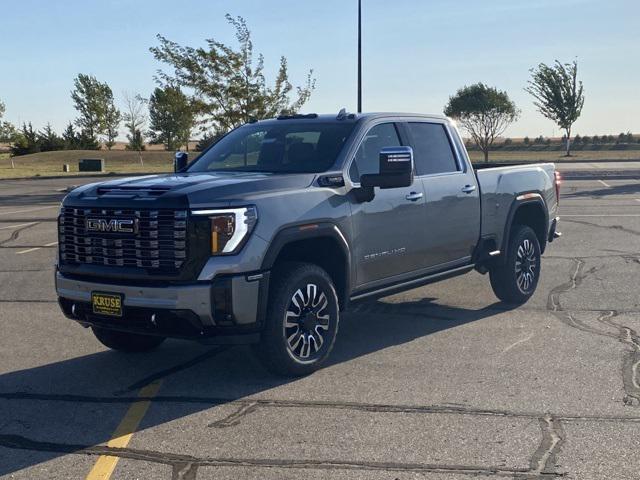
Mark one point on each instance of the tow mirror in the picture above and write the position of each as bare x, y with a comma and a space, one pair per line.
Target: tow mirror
180, 161
396, 169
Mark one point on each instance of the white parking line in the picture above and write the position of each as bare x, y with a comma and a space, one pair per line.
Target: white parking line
29, 210
51, 244
28, 250
17, 226
605, 215
637, 199
604, 183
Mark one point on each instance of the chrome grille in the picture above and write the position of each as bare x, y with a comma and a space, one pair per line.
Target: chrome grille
160, 241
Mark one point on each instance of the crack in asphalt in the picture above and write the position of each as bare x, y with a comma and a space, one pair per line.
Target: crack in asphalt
186, 464
615, 227
184, 471
16, 233
171, 370
626, 335
234, 418
255, 403
543, 460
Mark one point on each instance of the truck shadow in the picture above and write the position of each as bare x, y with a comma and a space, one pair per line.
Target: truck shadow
52, 410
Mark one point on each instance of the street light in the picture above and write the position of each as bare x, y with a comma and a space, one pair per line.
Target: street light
359, 56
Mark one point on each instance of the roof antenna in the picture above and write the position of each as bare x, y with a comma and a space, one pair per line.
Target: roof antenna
342, 114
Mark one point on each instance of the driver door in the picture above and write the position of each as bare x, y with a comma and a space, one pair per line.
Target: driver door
389, 231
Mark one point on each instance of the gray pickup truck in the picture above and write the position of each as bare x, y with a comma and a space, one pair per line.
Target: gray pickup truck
271, 232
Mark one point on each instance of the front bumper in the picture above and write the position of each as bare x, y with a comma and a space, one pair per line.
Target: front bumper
219, 309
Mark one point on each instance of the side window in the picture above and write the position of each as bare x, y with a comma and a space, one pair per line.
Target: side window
431, 148
367, 159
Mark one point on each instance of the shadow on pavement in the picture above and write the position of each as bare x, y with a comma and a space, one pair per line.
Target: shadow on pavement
77, 403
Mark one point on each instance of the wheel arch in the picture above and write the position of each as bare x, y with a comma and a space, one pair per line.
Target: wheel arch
321, 244
527, 209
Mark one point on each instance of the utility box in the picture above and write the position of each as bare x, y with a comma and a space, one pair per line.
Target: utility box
65, 168
91, 165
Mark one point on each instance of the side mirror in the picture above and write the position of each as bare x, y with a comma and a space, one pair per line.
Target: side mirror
180, 161
396, 169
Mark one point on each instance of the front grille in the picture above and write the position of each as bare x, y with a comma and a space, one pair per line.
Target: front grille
159, 241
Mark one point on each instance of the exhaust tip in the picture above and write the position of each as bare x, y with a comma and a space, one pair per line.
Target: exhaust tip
73, 310
153, 319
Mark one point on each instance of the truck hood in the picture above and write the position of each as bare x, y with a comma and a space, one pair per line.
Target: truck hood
186, 189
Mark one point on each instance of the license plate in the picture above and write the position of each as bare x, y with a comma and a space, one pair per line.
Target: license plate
104, 303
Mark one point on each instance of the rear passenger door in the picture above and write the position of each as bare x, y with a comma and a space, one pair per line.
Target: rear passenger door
452, 213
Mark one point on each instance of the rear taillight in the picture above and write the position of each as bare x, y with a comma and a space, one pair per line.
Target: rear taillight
558, 182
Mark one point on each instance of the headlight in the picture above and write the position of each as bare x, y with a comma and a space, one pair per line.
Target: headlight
230, 227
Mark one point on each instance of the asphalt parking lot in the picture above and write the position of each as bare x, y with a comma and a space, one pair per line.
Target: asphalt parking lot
442, 382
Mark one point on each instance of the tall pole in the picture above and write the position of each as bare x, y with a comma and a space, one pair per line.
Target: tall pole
359, 56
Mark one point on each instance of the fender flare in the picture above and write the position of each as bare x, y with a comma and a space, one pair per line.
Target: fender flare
310, 231
527, 198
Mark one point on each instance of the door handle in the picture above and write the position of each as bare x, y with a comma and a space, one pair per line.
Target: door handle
414, 196
468, 188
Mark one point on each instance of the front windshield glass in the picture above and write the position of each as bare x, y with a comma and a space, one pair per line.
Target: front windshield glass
301, 147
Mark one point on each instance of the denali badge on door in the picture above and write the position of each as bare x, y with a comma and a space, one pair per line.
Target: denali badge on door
107, 303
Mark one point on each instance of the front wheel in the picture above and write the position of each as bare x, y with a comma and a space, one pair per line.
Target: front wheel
302, 320
515, 281
126, 342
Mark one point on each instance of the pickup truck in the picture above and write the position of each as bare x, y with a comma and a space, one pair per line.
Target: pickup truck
274, 230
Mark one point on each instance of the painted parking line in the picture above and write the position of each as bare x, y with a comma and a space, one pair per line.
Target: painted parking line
51, 244
28, 250
105, 465
18, 226
604, 215
29, 210
604, 183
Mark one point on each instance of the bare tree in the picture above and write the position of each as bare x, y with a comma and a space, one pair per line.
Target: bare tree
135, 119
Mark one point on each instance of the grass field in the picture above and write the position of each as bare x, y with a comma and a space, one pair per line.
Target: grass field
121, 161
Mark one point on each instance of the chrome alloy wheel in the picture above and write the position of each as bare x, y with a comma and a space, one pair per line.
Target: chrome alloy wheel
526, 265
306, 322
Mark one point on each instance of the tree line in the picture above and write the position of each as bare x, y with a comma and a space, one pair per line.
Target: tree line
208, 91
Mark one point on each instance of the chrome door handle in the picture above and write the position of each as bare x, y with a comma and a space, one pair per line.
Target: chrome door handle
414, 196
468, 188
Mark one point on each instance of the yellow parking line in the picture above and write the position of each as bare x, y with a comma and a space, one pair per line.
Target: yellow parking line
106, 464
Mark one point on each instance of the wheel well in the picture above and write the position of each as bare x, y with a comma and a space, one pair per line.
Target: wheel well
324, 252
532, 215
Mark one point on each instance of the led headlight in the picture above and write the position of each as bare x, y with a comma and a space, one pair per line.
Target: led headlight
230, 227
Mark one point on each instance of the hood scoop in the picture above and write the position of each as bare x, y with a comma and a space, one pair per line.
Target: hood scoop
130, 191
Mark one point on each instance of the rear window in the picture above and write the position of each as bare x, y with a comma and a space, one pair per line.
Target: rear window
432, 150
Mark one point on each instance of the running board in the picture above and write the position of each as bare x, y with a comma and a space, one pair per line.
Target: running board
409, 284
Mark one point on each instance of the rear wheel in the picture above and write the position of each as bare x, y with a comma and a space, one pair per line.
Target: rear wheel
126, 342
302, 320
516, 280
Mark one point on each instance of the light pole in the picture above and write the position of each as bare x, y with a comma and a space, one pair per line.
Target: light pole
359, 56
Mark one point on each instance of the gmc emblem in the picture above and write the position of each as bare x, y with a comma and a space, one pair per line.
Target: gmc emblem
113, 226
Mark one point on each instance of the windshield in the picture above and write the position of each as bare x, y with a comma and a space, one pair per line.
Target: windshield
303, 147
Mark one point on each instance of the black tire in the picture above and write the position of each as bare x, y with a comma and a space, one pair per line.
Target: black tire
516, 280
126, 342
302, 320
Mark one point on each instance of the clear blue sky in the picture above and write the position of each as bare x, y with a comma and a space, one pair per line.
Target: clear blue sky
416, 52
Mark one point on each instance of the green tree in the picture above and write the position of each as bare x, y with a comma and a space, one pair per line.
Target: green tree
526, 140
558, 94
227, 85
96, 108
484, 112
170, 117
111, 122
7, 130
70, 138
49, 140
26, 141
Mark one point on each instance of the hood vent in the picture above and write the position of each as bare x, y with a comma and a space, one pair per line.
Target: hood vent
128, 191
